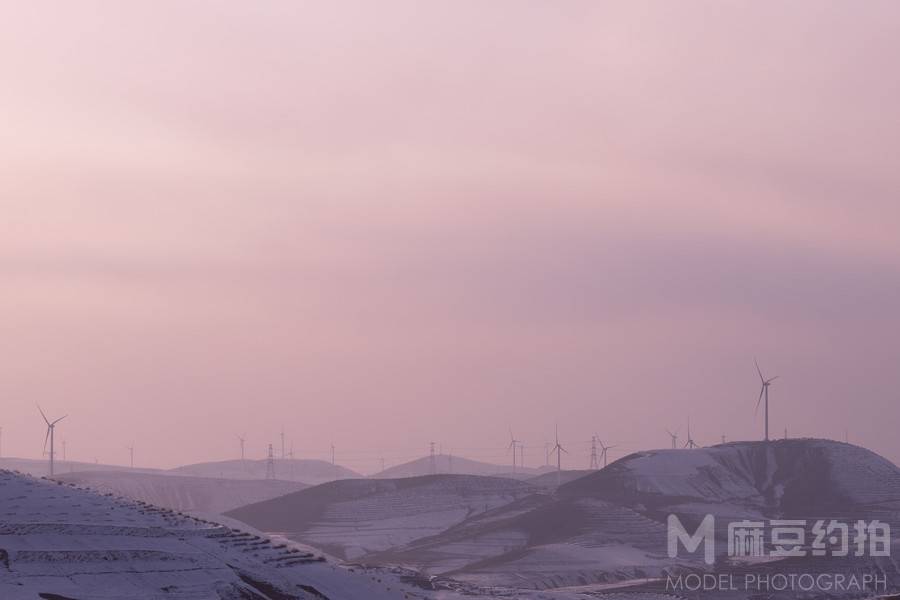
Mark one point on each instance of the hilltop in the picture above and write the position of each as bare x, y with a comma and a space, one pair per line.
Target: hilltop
352, 518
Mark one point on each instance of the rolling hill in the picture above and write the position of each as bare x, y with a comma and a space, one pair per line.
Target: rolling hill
184, 493
63, 543
611, 525
605, 527
352, 518
308, 471
455, 465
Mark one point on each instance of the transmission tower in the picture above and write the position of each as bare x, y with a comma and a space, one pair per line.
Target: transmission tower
595, 464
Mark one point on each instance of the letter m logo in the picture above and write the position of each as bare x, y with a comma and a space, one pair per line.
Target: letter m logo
705, 534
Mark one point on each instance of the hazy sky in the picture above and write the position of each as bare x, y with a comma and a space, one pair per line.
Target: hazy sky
386, 223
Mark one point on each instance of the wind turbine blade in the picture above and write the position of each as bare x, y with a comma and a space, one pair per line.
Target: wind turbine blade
46, 437
46, 420
59, 419
761, 392
773, 379
563, 449
758, 370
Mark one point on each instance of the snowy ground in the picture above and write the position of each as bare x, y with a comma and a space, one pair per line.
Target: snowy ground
59, 542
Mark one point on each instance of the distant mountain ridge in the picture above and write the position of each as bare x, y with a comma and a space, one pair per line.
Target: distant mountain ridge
184, 493
310, 471
447, 464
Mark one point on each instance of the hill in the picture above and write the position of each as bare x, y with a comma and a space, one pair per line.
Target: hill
184, 493
455, 465
40, 468
352, 518
611, 525
551, 480
310, 471
62, 543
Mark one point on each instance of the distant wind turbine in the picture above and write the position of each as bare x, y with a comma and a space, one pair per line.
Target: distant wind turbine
242, 439
131, 452
764, 391
674, 437
51, 426
513, 444
604, 450
690, 441
558, 449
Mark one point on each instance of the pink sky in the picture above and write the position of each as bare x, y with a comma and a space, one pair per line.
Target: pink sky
387, 223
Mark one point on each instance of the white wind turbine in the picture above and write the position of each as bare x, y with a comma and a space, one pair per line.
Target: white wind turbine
764, 391
690, 441
559, 450
242, 439
51, 426
604, 449
674, 437
513, 444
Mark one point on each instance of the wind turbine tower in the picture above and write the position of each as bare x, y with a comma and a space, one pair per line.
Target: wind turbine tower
605, 449
764, 391
433, 461
131, 452
690, 441
513, 444
559, 450
270, 463
674, 437
51, 426
242, 439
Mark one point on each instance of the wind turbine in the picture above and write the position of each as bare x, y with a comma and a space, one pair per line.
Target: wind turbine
242, 439
674, 437
764, 391
513, 443
51, 426
558, 449
690, 441
131, 451
604, 450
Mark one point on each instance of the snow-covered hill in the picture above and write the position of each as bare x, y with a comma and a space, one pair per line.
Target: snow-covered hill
59, 542
312, 472
185, 493
352, 518
610, 526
